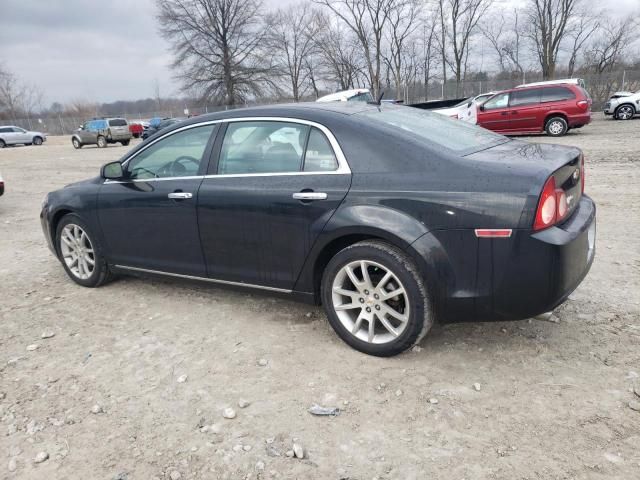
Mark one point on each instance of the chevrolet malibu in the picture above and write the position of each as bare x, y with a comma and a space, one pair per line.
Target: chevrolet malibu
389, 216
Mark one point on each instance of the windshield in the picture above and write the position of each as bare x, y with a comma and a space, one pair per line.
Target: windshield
455, 135
463, 102
361, 97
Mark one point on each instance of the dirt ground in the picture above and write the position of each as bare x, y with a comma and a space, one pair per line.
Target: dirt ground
106, 396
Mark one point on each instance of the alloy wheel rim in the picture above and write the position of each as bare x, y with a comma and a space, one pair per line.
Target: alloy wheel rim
556, 127
77, 251
625, 113
370, 302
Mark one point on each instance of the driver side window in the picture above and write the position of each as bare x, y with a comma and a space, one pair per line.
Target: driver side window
499, 101
178, 155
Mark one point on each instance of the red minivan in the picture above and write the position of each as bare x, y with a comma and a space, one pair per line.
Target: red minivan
554, 109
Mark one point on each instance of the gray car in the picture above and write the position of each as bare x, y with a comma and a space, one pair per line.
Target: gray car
11, 135
102, 132
623, 107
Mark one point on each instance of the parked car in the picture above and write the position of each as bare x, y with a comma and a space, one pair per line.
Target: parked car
623, 107
387, 215
167, 122
136, 129
10, 135
355, 95
554, 109
1, 186
466, 110
102, 132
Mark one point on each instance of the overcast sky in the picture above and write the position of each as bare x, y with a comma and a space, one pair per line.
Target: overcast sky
91, 50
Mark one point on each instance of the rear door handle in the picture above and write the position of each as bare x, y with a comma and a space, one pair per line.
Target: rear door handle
309, 196
180, 195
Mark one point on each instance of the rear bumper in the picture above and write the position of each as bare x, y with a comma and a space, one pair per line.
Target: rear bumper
483, 279
581, 119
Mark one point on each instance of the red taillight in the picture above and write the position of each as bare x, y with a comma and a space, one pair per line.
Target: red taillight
583, 104
546, 214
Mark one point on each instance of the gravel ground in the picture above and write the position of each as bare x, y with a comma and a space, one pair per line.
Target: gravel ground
134, 381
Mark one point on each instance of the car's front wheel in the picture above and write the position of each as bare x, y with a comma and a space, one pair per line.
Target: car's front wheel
37, 140
625, 112
76, 143
375, 298
556, 127
102, 142
80, 253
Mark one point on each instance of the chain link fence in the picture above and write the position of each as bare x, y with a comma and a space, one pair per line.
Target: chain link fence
600, 88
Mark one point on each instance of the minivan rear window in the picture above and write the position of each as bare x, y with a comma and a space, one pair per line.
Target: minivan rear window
117, 122
556, 94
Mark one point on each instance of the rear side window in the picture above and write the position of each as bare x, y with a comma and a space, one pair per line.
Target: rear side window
6, 130
262, 147
556, 94
117, 122
525, 97
319, 156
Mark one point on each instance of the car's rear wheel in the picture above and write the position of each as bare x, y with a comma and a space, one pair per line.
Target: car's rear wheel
2, 144
102, 142
375, 299
37, 141
76, 143
556, 126
80, 253
125, 143
625, 112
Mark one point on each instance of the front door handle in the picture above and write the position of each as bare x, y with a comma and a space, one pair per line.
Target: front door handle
309, 196
180, 195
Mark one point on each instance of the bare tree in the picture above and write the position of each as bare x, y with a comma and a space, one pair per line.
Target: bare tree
548, 22
402, 23
292, 38
494, 30
584, 26
18, 98
460, 21
367, 19
606, 51
340, 54
217, 47
512, 46
427, 42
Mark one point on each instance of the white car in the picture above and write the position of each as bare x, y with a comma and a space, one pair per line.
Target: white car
467, 110
10, 135
623, 107
355, 95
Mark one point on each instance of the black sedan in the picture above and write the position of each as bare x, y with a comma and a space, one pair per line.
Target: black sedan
389, 216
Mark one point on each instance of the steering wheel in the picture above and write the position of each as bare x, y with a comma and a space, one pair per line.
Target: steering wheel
176, 168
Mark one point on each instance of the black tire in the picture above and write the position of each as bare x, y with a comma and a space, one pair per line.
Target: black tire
624, 112
125, 143
420, 317
76, 143
37, 141
556, 127
102, 142
101, 273
2, 143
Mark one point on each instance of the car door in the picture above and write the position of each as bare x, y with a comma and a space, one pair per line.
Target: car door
21, 135
7, 135
525, 111
494, 113
88, 134
273, 188
148, 218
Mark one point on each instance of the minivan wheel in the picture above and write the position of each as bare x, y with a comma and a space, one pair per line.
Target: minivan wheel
37, 141
76, 143
80, 253
625, 112
556, 126
102, 142
375, 299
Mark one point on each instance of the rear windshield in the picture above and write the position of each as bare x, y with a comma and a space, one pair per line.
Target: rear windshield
455, 135
117, 122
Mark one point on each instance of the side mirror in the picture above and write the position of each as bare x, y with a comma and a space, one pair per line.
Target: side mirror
481, 107
112, 171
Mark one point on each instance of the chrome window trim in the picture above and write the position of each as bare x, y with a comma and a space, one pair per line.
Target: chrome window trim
205, 279
343, 165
